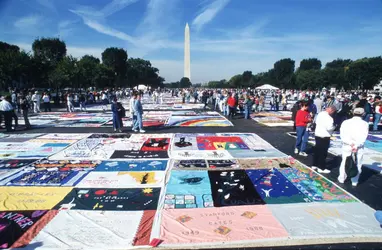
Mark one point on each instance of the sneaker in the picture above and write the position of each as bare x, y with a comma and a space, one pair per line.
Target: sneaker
340, 181
115, 130
303, 154
296, 151
120, 130
314, 167
142, 131
354, 184
325, 171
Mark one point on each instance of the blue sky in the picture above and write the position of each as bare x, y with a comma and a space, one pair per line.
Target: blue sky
227, 36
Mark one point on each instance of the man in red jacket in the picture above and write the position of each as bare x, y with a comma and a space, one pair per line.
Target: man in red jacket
231, 102
302, 119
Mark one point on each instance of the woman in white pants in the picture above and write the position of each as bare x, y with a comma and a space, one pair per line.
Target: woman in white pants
69, 100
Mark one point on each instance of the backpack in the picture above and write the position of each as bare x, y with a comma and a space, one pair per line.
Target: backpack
122, 111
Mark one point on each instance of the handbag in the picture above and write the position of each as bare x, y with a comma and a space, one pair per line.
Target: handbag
351, 168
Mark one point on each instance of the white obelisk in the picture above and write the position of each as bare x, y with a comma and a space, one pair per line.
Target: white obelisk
187, 66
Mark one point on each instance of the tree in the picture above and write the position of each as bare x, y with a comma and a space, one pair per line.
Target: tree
88, 67
365, 73
6, 47
311, 63
334, 74
14, 67
236, 81
338, 63
185, 82
115, 59
140, 71
49, 50
66, 74
309, 79
283, 72
105, 77
247, 78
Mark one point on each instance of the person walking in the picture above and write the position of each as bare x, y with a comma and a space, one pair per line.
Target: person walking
24, 104
69, 102
138, 111
46, 102
131, 110
116, 113
353, 134
302, 119
324, 129
36, 99
82, 102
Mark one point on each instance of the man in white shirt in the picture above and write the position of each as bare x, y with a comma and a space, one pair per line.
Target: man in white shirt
36, 99
353, 133
7, 109
324, 129
131, 110
46, 101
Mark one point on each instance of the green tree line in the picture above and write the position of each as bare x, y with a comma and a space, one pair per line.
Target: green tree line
49, 66
340, 73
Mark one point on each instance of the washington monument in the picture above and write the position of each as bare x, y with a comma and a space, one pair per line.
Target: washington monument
187, 67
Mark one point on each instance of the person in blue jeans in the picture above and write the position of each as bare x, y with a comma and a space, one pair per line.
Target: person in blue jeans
116, 116
378, 113
138, 112
247, 107
303, 118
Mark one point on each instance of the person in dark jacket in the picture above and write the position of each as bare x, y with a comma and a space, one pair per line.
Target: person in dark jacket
24, 105
121, 113
116, 118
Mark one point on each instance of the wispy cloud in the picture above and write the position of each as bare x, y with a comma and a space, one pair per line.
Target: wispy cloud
27, 22
49, 4
153, 31
109, 9
65, 28
109, 31
115, 6
208, 13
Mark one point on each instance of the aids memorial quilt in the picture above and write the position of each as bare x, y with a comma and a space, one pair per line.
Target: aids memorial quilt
188, 189
314, 186
327, 219
109, 199
219, 225
221, 146
133, 165
81, 229
118, 191
274, 187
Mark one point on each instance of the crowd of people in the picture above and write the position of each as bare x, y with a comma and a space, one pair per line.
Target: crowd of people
348, 114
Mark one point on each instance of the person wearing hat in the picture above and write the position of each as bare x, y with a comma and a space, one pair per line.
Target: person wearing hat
353, 134
36, 99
